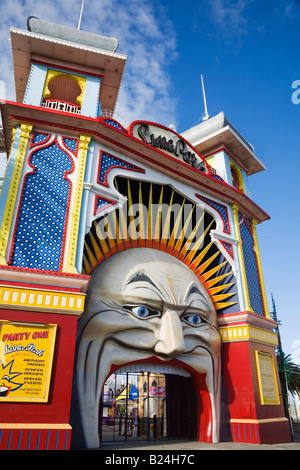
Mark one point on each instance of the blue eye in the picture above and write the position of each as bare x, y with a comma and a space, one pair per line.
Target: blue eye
194, 320
141, 311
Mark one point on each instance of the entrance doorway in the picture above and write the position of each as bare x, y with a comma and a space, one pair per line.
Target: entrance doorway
147, 405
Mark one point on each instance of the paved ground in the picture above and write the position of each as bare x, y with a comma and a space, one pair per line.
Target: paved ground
171, 446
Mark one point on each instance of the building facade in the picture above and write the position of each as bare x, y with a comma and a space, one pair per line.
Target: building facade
125, 252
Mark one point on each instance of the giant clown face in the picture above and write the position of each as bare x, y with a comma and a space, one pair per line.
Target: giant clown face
143, 303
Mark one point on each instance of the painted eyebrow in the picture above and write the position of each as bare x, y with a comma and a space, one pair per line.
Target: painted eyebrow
140, 276
195, 290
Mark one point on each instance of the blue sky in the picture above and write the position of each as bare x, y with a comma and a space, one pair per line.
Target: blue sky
248, 52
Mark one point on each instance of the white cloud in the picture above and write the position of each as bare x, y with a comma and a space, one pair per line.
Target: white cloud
230, 16
145, 35
149, 43
233, 20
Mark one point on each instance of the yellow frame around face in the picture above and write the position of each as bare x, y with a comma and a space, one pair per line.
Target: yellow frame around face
266, 378
26, 355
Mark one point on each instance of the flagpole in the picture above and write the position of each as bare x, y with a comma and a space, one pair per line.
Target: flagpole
79, 22
206, 116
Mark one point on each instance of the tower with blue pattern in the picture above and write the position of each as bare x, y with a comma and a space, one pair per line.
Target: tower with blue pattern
65, 79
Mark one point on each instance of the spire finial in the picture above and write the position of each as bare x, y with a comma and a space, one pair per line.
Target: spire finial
80, 16
206, 116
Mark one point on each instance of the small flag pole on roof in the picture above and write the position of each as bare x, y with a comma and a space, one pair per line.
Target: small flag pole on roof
81, 10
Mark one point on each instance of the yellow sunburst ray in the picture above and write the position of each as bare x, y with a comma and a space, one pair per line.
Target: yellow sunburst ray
87, 269
216, 280
192, 253
186, 248
218, 297
149, 219
221, 305
210, 273
96, 248
118, 233
208, 262
194, 264
142, 222
116, 185
132, 228
173, 236
157, 225
181, 237
187, 240
90, 256
123, 227
101, 238
111, 236
166, 227
215, 290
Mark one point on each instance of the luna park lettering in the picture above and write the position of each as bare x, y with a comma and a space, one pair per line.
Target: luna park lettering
178, 148
29, 348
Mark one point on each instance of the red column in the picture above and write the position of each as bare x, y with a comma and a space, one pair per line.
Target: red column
255, 414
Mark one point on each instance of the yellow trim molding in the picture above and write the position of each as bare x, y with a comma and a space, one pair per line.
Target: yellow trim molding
260, 271
42, 300
70, 259
13, 190
34, 426
235, 209
247, 333
257, 421
13, 132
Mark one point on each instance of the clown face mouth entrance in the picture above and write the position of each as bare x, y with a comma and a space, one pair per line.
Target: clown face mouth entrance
146, 314
156, 403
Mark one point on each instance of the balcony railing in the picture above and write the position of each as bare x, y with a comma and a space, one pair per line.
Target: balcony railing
58, 105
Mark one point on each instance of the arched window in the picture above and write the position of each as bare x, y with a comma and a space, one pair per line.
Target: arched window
237, 179
64, 88
63, 92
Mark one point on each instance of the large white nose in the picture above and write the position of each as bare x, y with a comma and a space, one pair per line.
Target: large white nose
171, 341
